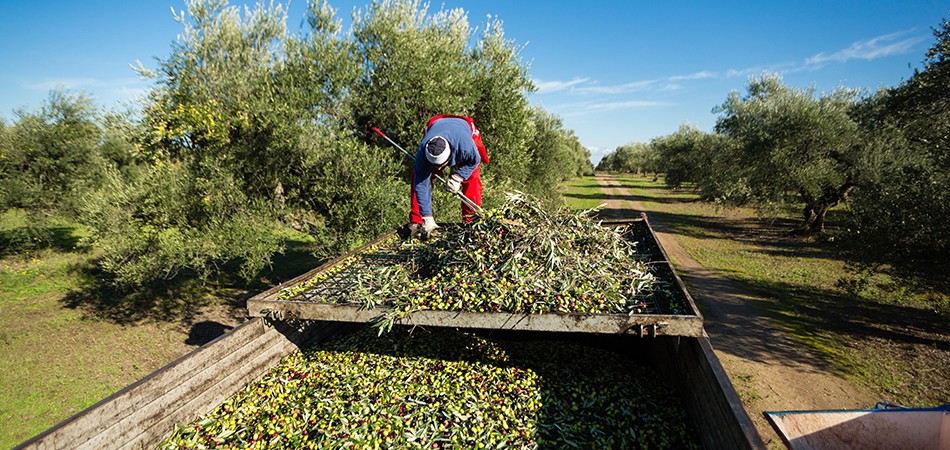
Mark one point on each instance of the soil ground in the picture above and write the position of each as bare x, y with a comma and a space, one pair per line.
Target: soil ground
769, 370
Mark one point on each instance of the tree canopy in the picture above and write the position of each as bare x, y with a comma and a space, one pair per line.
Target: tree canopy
903, 199
791, 146
634, 158
884, 157
254, 129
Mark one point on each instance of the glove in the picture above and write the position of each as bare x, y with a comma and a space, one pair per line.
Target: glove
411, 230
453, 184
428, 224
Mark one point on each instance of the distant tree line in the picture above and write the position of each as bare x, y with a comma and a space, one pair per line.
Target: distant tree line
885, 156
638, 158
253, 131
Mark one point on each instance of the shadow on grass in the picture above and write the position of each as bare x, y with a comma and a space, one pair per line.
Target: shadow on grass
812, 308
21, 239
824, 319
204, 332
586, 196
776, 237
659, 198
181, 298
591, 185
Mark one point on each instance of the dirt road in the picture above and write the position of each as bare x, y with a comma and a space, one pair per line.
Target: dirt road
770, 371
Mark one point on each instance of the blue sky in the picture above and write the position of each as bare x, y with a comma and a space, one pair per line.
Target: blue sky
616, 72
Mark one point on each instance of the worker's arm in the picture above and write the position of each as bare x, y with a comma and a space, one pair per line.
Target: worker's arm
466, 160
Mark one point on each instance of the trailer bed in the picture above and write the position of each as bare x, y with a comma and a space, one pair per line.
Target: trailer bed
144, 414
880, 427
672, 314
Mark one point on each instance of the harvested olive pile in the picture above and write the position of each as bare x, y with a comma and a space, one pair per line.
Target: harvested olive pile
447, 389
518, 258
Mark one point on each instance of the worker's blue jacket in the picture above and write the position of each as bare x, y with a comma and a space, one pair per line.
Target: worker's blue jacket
463, 159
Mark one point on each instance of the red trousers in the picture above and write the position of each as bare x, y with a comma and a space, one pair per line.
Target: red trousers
471, 188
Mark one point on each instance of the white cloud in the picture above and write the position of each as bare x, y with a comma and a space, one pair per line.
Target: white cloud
630, 104
693, 76
868, 49
547, 87
582, 109
733, 73
585, 86
106, 91
670, 87
659, 85
62, 83
597, 153
117, 85
634, 86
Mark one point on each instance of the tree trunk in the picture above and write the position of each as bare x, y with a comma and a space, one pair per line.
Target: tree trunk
817, 225
808, 217
817, 208
808, 212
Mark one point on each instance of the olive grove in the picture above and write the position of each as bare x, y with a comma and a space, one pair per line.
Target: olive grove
884, 157
902, 203
254, 131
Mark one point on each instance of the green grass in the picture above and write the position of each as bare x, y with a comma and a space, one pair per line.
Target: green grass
583, 193
56, 360
888, 334
70, 339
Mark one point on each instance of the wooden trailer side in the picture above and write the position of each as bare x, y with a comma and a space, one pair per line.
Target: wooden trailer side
709, 397
145, 413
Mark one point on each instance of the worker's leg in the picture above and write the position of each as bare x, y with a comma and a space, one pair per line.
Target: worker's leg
472, 188
414, 215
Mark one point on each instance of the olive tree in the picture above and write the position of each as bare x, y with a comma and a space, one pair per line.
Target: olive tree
902, 203
637, 157
690, 156
415, 65
51, 155
502, 111
582, 163
253, 129
213, 151
791, 146
555, 155
5, 170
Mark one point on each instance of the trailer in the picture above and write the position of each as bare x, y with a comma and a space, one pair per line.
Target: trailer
320, 299
146, 412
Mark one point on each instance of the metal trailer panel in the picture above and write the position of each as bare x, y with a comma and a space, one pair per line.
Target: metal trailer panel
710, 398
891, 428
643, 325
266, 304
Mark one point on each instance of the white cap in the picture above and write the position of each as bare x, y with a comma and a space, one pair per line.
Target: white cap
437, 150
